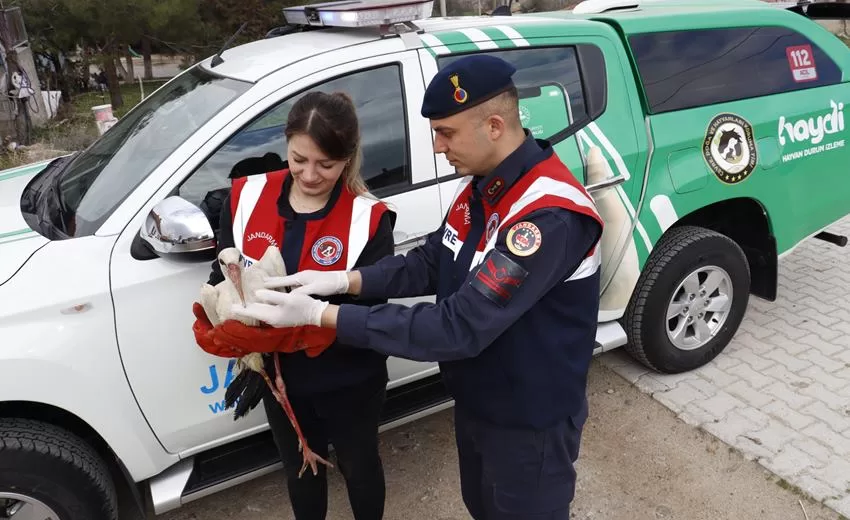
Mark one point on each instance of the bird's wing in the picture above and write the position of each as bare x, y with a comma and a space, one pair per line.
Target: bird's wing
228, 297
209, 301
272, 262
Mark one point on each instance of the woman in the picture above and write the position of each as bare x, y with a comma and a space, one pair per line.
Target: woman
319, 213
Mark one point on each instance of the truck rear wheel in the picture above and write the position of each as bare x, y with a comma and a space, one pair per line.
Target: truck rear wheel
689, 300
49, 473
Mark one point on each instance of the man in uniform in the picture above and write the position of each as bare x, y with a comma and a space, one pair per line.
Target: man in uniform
515, 270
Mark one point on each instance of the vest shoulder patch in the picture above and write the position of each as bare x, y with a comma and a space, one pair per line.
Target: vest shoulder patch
524, 238
498, 278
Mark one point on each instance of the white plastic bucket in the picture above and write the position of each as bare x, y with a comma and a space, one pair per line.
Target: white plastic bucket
102, 112
103, 118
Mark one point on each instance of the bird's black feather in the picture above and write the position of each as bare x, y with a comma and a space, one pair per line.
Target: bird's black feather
245, 392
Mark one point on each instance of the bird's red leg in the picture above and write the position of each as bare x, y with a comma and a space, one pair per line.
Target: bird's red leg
279, 391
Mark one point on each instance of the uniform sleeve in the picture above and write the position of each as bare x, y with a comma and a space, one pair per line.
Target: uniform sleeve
492, 298
225, 240
404, 276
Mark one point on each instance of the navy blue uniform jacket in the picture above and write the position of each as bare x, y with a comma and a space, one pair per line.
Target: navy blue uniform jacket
521, 364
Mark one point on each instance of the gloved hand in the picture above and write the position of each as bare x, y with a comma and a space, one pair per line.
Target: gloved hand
318, 283
232, 338
202, 328
236, 334
313, 340
205, 335
283, 309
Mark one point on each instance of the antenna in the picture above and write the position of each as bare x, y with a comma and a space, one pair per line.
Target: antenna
217, 58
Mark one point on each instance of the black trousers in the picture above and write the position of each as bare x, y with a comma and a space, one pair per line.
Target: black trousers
513, 474
348, 419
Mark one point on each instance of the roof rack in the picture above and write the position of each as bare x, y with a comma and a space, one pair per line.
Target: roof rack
604, 6
391, 16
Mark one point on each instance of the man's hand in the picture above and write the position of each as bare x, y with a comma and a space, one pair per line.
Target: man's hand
283, 309
317, 283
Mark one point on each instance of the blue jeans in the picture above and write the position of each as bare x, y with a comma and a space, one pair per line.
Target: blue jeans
512, 474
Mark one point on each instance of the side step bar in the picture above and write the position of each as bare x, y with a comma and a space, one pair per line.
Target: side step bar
609, 335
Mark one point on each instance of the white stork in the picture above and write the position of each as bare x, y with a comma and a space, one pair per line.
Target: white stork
239, 285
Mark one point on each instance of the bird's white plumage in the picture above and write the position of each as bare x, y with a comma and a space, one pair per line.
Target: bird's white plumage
217, 300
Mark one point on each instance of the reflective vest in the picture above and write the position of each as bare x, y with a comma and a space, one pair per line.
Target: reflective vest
332, 243
548, 184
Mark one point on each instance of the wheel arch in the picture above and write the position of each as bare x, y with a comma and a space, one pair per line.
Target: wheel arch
64, 419
746, 221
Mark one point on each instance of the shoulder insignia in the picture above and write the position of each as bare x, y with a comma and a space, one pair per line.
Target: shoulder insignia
524, 238
498, 278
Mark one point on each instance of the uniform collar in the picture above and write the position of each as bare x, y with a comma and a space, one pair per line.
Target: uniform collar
495, 184
285, 210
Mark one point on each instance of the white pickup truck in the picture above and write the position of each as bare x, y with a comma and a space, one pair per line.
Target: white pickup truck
102, 252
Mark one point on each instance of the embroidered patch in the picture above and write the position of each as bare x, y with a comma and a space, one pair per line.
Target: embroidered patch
327, 250
524, 238
498, 278
492, 226
494, 188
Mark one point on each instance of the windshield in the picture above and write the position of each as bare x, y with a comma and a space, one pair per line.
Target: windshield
102, 176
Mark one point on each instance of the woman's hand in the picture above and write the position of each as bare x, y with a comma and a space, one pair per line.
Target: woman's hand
283, 309
318, 283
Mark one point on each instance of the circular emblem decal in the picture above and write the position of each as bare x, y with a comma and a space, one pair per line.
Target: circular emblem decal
492, 226
327, 250
729, 148
524, 239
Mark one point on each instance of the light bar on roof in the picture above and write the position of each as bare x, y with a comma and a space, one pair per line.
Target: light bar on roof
358, 13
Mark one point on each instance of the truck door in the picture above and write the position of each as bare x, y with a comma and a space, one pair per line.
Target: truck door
606, 155
178, 386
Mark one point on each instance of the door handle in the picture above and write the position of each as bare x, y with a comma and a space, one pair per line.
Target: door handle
607, 183
403, 239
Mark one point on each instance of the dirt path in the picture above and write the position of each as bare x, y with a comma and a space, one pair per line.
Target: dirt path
638, 462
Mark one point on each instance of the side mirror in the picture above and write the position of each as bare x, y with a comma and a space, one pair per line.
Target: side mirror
175, 225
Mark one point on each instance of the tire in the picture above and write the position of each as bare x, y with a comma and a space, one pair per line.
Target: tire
47, 467
680, 253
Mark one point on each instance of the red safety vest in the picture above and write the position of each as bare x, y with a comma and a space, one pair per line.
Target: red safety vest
332, 243
549, 183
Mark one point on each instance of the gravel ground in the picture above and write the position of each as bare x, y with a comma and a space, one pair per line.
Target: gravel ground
638, 461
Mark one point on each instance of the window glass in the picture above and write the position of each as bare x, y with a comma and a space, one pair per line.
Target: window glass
101, 177
683, 69
261, 146
549, 85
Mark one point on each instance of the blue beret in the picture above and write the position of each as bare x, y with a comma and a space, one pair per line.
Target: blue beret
464, 83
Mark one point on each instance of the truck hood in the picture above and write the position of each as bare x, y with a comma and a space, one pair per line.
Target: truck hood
17, 241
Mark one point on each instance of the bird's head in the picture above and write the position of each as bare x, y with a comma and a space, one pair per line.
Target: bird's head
231, 260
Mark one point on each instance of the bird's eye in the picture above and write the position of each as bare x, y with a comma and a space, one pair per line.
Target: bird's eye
221, 262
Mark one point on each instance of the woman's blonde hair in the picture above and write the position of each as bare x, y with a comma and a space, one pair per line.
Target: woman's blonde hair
331, 121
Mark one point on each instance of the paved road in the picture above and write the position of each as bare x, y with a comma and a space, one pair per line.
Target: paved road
638, 462
780, 393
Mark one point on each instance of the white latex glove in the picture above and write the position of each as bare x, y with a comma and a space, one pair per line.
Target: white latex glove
319, 283
283, 309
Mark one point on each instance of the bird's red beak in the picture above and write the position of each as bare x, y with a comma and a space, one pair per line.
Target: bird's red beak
235, 274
